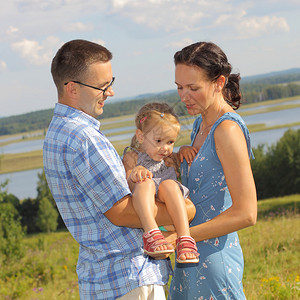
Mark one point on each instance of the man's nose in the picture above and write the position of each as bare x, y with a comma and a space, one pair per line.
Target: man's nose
110, 92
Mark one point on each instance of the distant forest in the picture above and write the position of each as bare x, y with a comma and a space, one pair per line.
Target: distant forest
254, 89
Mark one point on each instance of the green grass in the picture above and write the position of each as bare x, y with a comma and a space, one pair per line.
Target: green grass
271, 251
272, 258
21, 161
48, 270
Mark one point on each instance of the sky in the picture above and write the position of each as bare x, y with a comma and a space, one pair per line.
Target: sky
143, 35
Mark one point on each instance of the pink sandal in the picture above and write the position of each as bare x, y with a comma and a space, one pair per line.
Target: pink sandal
152, 240
186, 244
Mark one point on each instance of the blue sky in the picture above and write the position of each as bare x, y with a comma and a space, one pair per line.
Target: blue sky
143, 35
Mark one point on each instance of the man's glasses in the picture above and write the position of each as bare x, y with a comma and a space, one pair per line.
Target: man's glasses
93, 87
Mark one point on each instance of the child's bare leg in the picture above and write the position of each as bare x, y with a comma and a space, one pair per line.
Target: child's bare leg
143, 200
170, 193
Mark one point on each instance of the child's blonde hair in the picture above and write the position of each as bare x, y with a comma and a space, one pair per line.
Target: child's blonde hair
152, 113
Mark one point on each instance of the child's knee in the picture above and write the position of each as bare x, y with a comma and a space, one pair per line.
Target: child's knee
169, 186
148, 184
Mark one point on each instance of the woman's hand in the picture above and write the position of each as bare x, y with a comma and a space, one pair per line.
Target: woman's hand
139, 174
188, 153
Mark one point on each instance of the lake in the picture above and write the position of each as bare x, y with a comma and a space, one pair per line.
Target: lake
23, 184
270, 119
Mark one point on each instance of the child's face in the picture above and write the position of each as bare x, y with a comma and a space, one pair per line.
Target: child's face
158, 141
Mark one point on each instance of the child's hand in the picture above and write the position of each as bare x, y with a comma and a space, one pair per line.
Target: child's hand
188, 153
139, 174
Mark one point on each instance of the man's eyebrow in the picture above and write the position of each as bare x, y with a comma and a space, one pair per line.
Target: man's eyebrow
104, 84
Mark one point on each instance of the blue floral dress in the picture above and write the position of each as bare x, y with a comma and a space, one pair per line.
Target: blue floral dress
218, 275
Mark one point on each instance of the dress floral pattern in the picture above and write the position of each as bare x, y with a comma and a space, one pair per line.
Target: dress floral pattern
218, 275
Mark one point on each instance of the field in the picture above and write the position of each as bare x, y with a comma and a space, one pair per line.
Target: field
271, 249
34, 160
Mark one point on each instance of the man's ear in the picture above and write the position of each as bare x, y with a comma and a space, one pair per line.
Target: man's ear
71, 89
139, 136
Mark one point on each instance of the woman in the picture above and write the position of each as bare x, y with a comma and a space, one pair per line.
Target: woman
217, 171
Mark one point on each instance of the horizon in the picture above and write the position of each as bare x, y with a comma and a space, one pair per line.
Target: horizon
257, 37
252, 77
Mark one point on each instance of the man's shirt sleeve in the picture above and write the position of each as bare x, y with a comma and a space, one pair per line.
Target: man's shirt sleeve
100, 173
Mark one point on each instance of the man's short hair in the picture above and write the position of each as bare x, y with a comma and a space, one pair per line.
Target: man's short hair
73, 59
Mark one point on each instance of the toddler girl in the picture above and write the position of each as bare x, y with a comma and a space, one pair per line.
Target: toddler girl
150, 179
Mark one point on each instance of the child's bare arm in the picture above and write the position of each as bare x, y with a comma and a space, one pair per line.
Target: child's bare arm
134, 173
188, 153
139, 174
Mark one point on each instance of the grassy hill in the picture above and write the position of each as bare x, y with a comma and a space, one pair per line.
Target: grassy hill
271, 251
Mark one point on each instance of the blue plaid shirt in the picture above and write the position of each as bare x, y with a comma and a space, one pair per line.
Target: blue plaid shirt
86, 177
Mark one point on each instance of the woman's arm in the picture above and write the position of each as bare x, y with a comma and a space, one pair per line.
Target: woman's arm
232, 151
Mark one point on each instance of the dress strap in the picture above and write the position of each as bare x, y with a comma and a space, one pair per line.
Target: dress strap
238, 119
128, 149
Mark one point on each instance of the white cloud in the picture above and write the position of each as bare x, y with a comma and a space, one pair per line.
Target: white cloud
238, 19
243, 26
100, 42
12, 30
180, 44
36, 53
164, 15
3, 66
78, 27
37, 5
119, 4
259, 26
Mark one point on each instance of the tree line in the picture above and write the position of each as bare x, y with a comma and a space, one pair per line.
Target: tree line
276, 173
254, 89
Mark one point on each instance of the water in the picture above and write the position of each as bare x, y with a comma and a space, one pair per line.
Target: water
270, 105
268, 137
23, 184
33, 145
275, 118
270, 119
21, 147
113, 130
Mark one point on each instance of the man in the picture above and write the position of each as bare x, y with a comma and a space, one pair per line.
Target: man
88, 182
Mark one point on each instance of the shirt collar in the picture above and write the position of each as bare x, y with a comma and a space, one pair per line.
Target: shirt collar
63, 110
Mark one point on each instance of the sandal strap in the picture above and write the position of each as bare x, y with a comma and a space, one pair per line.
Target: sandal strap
153, 239
186, 244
